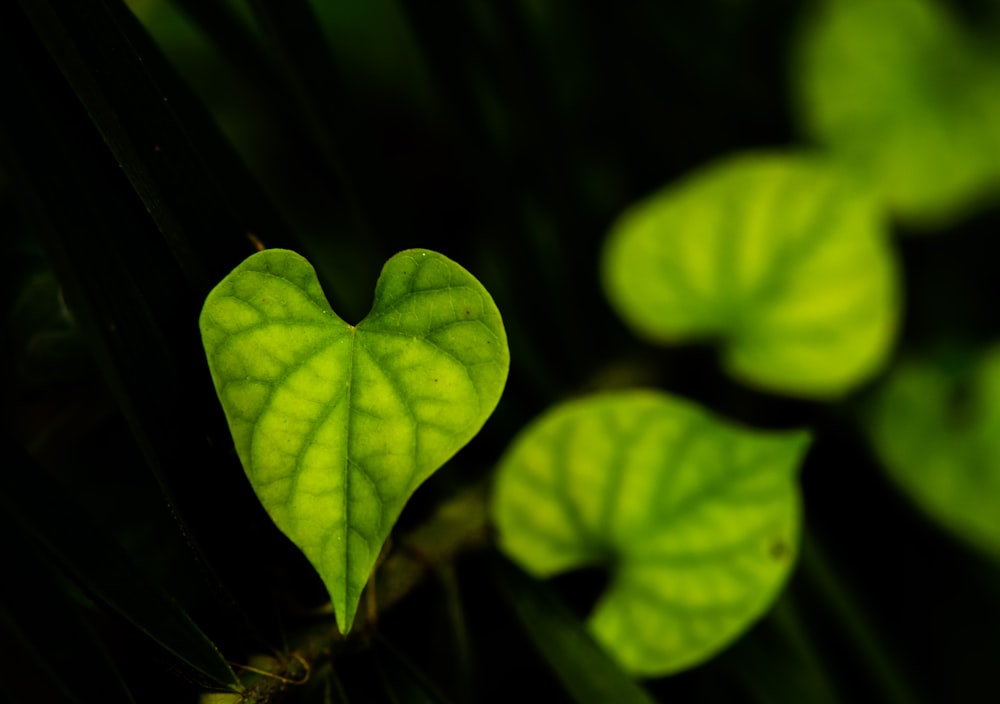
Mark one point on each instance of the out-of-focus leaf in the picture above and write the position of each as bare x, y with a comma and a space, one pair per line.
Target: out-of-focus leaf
583, 667
937, 432
908, 98
99, 566
781, 257
373, 37
338, 424
697, 519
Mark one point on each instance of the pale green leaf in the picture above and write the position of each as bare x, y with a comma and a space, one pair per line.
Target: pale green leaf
937, 432
336, 424
781, 258
697, 519
908, 97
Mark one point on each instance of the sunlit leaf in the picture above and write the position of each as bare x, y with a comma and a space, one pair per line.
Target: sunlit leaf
908, 97
937, 432
336, 424
698, 520
780, 257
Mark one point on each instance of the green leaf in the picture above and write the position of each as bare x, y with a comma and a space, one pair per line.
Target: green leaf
337, 425
937, 433
583, 667
908, 98
781, 257
697, 519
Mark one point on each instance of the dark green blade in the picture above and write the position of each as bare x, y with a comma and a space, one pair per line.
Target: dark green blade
586, 672
40, 510
189, 179
137, 236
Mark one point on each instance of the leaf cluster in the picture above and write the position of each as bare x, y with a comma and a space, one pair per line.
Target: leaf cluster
148, 149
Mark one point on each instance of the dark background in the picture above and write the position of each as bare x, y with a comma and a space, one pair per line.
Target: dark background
507, 136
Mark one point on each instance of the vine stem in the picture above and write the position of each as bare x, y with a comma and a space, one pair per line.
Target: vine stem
849, 614
458, 525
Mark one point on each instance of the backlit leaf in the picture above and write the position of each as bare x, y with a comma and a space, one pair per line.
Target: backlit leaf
937, 433
780, 257
698, 520
337, 425
908, 98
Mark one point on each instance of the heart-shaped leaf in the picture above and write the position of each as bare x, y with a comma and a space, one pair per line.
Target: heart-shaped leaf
907, 97
782, 257
337, 425
697, 519
936, 427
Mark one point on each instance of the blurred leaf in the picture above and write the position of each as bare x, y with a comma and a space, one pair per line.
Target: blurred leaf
780, 256
583, 667
908, 98
697, 519
937, 432
336, 424
101, 568
373, 37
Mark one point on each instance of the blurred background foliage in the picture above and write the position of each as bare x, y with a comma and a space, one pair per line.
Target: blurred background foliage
146, 149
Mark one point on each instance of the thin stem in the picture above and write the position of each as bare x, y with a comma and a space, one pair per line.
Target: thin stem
849, 614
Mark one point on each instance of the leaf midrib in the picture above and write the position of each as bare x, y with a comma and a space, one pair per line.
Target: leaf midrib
345, 468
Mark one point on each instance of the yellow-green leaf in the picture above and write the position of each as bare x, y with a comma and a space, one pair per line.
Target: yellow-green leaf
780, 257
336, 424
908, 98
697, 519
937, 432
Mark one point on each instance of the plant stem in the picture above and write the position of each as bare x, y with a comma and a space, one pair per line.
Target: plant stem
849, 614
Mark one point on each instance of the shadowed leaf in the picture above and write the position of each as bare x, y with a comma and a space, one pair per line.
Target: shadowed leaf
938, 434
908, 98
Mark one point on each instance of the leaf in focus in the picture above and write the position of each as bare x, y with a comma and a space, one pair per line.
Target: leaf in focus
337, 425
908, 98
698, 520
781, 257
937, 433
